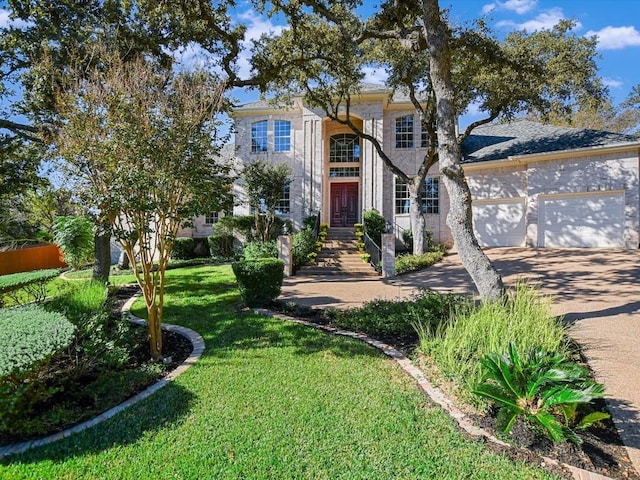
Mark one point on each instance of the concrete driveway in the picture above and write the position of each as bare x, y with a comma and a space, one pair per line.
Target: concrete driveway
598, 292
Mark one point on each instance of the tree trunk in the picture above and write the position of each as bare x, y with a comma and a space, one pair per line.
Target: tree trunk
415, 214
155, 332
102, 262
484, 275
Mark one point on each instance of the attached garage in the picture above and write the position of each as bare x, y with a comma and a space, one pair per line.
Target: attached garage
593, 219
499, 223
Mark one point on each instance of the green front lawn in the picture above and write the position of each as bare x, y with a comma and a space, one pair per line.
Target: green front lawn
269, 399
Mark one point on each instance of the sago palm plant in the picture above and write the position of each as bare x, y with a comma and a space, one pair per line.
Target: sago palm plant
543, 387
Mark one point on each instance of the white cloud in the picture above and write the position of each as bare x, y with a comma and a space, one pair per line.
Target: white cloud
544, 21
6, 21
519, 6
256, 27
615, 38
377, 76
612, 82
489, 7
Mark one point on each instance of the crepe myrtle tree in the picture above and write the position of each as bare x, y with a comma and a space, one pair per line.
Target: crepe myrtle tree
443, 69
265, 185
142, 142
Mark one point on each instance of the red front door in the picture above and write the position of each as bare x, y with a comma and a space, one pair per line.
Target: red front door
344, 204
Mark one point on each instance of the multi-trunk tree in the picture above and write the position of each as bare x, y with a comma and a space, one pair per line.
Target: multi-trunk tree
44, 39
444, 69
142, 141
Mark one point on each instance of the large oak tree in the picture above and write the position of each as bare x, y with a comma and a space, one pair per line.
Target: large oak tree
444, 69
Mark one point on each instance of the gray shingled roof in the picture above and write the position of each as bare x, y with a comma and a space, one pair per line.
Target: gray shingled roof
522, 137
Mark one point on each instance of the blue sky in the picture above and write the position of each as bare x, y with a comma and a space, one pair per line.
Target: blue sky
616, 24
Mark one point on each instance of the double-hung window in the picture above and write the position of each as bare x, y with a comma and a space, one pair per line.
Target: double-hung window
404, 132
259, 139
281, 136
211, 218
429, 196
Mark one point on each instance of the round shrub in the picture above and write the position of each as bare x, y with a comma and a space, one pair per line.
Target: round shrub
260, 280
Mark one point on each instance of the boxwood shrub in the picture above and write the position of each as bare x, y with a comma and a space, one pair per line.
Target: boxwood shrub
259, 280
255, 250
221, 245
183, 248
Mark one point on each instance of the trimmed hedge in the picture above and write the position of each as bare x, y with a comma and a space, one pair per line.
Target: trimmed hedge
255, 250
260, 280
221, 245
183, 248
29, 335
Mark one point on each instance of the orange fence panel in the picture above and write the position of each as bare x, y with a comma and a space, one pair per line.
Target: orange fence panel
31, 258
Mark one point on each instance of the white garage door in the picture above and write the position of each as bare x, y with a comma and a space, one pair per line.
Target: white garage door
589, 220
499, 223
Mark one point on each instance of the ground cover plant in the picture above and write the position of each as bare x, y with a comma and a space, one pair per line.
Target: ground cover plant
409, 262
269, 399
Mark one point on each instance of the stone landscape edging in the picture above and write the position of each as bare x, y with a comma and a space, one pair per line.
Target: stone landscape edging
198, 348
434, 393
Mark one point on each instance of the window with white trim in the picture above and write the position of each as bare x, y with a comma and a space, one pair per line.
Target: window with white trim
281, 136
429, 195
259, 140
404, 132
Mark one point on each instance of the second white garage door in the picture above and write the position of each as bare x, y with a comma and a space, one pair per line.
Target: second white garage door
583, 220
499, 223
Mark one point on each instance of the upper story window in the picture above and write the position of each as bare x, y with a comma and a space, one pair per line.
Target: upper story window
345, 148
259, 136
282, 136
429, 195
404, 132
424, 137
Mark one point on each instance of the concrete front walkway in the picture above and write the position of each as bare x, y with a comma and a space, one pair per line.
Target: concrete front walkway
598, 291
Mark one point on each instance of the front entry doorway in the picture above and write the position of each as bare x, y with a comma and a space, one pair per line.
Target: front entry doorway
344, 204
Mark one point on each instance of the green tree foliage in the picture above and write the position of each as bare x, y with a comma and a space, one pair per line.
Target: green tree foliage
74, 236
265, 184
327, 48
143, 142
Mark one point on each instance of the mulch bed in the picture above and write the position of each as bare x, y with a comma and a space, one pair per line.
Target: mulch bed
602, 451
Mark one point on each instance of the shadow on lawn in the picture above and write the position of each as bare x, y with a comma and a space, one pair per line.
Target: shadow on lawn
164, 410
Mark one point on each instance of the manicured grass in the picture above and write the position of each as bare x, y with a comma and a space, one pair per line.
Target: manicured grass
269, 399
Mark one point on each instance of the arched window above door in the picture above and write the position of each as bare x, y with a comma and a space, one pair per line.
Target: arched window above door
344, 148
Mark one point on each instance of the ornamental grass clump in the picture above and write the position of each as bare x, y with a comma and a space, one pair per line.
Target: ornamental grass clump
523, 318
